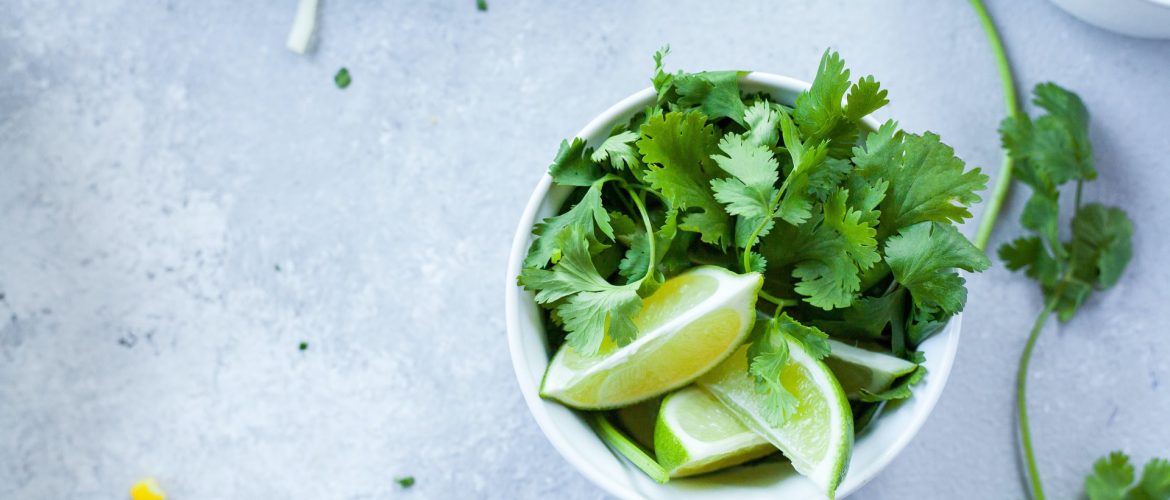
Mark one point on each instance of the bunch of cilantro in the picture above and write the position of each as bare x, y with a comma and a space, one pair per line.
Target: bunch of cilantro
852, 228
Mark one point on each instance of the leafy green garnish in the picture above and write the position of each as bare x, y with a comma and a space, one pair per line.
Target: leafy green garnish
342, 78
1049, 152
1113, 479
853, 228
405, 481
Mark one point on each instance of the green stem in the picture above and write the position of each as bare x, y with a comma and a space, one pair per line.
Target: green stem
1021, 397
1080, 185
751, 241
649, 231
619, 442
1004, 180
777, 300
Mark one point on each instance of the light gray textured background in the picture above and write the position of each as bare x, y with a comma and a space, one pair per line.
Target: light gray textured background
183, 201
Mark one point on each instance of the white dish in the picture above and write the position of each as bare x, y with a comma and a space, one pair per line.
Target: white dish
572, 436
1140, 18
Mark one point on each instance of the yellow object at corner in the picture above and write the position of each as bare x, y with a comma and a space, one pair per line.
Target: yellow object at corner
147, 489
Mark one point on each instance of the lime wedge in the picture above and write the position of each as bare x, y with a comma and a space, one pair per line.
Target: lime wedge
818, 438
857, 369
690, 324
695, 433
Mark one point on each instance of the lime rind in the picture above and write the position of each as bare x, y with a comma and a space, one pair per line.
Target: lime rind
683, 453
732, 386
861, 370
585, 387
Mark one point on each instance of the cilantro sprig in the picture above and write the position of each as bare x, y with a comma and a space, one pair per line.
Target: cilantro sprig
1049, 153
853, 228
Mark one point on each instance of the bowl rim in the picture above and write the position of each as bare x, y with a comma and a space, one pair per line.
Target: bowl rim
514, 294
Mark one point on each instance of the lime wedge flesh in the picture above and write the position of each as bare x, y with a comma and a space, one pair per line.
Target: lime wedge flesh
695, 434
858, 369
818, 438
686, 327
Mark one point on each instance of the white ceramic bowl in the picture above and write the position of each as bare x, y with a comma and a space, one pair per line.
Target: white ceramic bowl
1140, 18
576, 441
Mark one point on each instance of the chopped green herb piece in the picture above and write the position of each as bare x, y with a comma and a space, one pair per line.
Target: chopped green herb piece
342, 78
405, 482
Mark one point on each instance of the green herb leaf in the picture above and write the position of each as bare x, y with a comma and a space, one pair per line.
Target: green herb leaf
619, 150
342, 78
405, 481
768, 355
926, 180
715, 93
1113, 477
1055, 148
588, 215
677, 149
923, 258
594, 308
573, 166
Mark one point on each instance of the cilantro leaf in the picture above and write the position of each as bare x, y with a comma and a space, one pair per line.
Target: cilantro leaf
572, 165
1112, 476
768, 354
927, 182
827, 254
588, 215
1113, 479
819, 111
594, 308
750, 192
1101, 246
342, 78
1055, 148
865, 97
762, 120
923, 258
1155, 481
677, 149
715, 93
619, 150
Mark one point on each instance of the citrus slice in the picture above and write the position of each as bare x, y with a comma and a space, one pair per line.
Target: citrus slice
818, 437
686, 327
858, 369
695, 434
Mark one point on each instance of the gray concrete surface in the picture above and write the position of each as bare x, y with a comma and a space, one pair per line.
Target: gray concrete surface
183, 201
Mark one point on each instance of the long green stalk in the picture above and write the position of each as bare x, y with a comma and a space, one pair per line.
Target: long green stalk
1004, 180
1022, 401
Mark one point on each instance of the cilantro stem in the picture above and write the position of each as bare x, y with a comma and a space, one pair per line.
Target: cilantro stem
619, 442
751, 241
1080, 185
777, 300
1004, 180
653, 254
1021, 399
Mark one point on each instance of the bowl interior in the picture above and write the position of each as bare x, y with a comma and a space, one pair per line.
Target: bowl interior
577, 442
